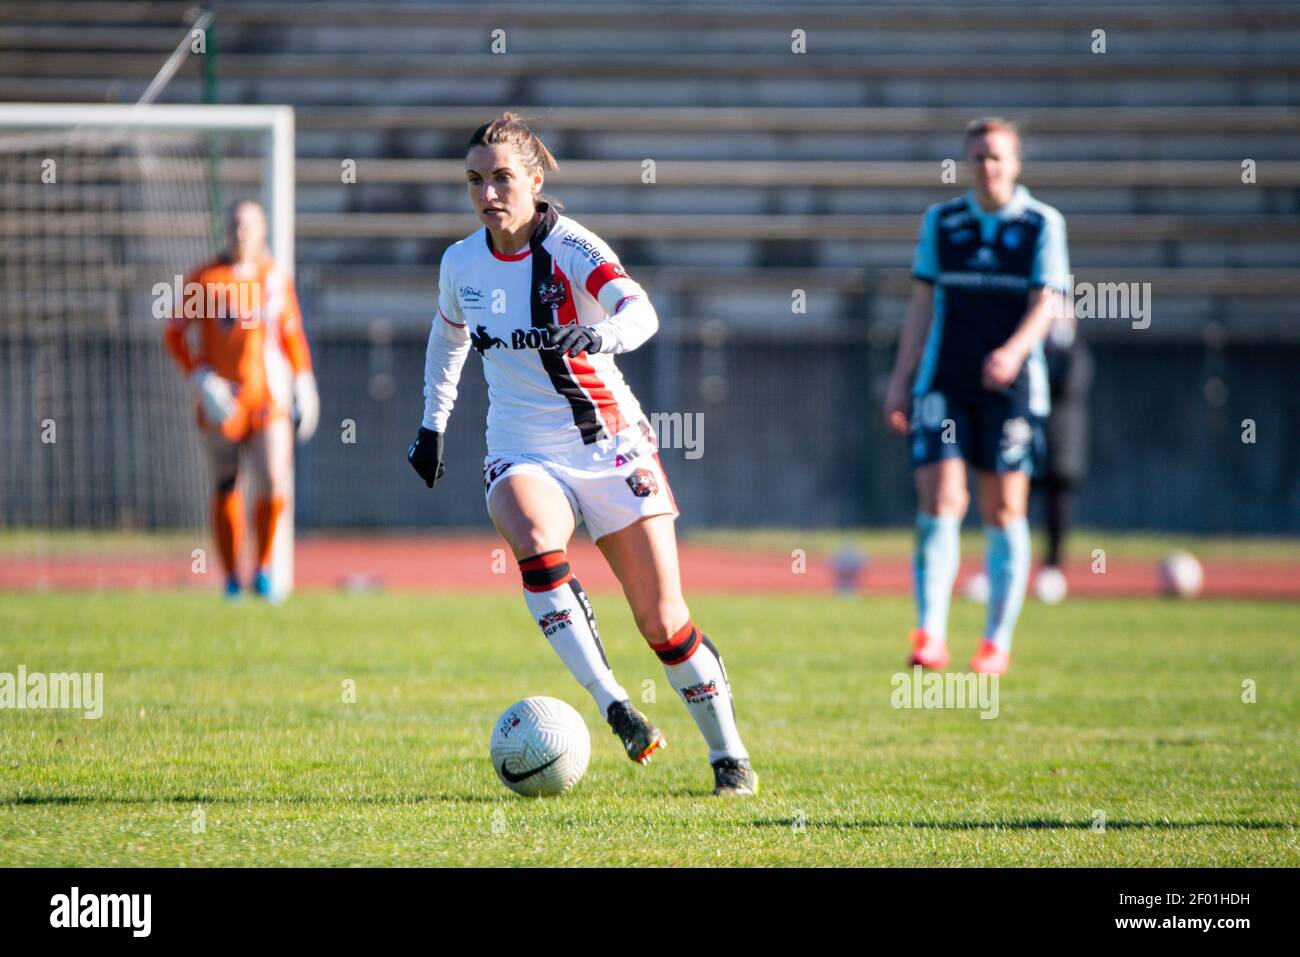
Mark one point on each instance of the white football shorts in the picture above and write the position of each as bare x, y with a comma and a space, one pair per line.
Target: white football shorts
609, 490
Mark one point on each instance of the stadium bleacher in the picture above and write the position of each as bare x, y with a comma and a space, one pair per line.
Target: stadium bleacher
774, 171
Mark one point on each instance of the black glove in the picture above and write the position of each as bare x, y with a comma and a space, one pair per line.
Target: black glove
425, 455
574, 338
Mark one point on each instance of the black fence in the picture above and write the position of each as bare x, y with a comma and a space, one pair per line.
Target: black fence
792, 436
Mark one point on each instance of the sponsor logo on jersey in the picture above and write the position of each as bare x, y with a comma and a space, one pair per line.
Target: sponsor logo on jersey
954, 220
983, 281
551, 293
586, 246
530, 338
984, 258
481, 340
553, 621
468, 294
1011, 237
642, 483
701, 691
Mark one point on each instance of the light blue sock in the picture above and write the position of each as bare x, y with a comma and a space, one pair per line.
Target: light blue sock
1007, 563
934, 567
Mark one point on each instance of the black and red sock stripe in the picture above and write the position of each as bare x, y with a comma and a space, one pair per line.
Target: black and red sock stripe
680, 646
545, 571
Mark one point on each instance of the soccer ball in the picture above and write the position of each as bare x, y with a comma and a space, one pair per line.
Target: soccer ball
1049, 585
976, 589
1181, 575
540, 747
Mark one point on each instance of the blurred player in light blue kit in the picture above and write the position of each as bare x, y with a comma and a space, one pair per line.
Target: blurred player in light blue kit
969, 385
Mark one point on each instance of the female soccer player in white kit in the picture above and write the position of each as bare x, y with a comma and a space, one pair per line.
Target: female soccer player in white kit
546, 305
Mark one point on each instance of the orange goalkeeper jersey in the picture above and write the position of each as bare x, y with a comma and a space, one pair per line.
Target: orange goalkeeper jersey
249, 323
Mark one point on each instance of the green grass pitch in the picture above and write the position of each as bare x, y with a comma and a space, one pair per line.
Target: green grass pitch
225, 738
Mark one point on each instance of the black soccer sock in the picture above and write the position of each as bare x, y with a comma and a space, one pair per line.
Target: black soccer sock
1058, 519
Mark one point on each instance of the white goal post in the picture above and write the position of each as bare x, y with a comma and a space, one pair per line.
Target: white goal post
98, 202
274, 122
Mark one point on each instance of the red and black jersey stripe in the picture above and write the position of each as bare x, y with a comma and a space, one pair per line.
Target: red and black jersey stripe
586, 416
581, 369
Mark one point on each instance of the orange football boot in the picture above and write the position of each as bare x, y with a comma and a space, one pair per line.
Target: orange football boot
990, 659
928, 652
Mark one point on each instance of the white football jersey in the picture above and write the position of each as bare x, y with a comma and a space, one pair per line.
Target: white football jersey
540, 400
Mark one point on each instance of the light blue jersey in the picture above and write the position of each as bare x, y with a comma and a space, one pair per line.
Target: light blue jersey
983, 266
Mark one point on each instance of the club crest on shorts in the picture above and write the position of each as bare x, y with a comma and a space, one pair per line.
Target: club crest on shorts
642, 483
551, 293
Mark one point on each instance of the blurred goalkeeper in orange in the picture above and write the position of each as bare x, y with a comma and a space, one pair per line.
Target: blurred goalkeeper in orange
249, 325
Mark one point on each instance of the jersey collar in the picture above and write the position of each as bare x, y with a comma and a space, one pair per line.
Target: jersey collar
542, 230
1019, 200
549, 219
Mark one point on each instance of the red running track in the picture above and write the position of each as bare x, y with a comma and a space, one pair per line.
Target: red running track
481, 563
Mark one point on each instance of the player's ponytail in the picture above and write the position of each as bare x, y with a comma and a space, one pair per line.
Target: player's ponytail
510, 128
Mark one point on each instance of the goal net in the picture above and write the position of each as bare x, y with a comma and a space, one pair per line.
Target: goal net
103, 211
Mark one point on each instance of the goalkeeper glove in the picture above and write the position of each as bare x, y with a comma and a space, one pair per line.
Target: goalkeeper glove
215, 393
307, 401
573, 338
425, 455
